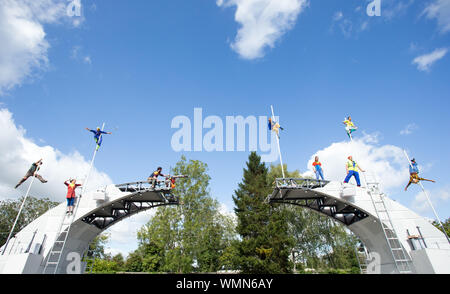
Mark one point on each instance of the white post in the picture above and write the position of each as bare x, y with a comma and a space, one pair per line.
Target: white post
278, 142
83, 189
428, 199
20, 211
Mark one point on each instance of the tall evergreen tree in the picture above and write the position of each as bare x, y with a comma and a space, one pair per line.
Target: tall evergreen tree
265, 244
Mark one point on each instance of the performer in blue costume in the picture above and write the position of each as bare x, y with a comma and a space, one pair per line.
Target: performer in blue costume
98, 136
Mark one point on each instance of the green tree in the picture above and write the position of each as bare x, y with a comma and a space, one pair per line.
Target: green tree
446, 225
33, 209
193, 236
265, 244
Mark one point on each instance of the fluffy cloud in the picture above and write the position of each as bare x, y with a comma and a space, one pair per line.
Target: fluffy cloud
424, 62
409, 129
437, 197
387, 162
440, 10
17, 152
23, 41
123, 235
263, 22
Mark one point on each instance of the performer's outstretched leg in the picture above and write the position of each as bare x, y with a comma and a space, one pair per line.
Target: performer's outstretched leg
407, 186
422, 179
40, 178
21, 181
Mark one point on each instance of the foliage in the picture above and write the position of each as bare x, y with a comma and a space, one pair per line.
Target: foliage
446, 225
189, 238
264, 246
320, 242
32, 209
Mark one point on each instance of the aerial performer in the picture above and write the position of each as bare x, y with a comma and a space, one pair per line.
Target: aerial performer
349, 127
71, 186
274, 126
98, 136
318, 168
352, 171
32, 172
414, 174
170, 180
154, 176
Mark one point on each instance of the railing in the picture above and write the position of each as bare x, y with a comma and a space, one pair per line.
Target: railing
281, 183
144, 185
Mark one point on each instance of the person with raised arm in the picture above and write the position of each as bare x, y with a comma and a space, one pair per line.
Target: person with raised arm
98, 136
71, 186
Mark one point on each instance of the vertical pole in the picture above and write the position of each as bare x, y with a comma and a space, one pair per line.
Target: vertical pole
278, 142
429, 201
20, 211
83, 189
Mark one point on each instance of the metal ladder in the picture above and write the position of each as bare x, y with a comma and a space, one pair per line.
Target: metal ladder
54, 257
401, 258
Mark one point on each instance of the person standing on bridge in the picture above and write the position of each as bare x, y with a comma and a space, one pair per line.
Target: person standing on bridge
154, 176
352, 171
318, 168
32, 172
98, 136
71, 186
414, 174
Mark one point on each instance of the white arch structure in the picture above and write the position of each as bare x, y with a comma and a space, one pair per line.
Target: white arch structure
428, 251
29, 250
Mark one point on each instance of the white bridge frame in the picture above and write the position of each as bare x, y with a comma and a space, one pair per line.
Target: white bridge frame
353, 206
28, 250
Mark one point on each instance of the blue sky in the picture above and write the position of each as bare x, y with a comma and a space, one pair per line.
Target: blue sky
138, 64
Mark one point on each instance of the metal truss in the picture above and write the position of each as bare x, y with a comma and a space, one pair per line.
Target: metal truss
300, 192
142, 197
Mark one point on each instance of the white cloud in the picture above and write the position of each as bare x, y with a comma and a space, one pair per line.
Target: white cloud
437, 197
338, 16
77, 54
409, 129
123, 235
24, 46
440, 10
263, 22
394, 8
87, 60
424, 62
387, 162
17, 152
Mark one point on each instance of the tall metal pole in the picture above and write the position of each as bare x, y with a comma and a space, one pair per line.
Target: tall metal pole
81, 195
429, 201
278, 142
20, 211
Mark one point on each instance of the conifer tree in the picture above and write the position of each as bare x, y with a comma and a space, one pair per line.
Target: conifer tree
265, 244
